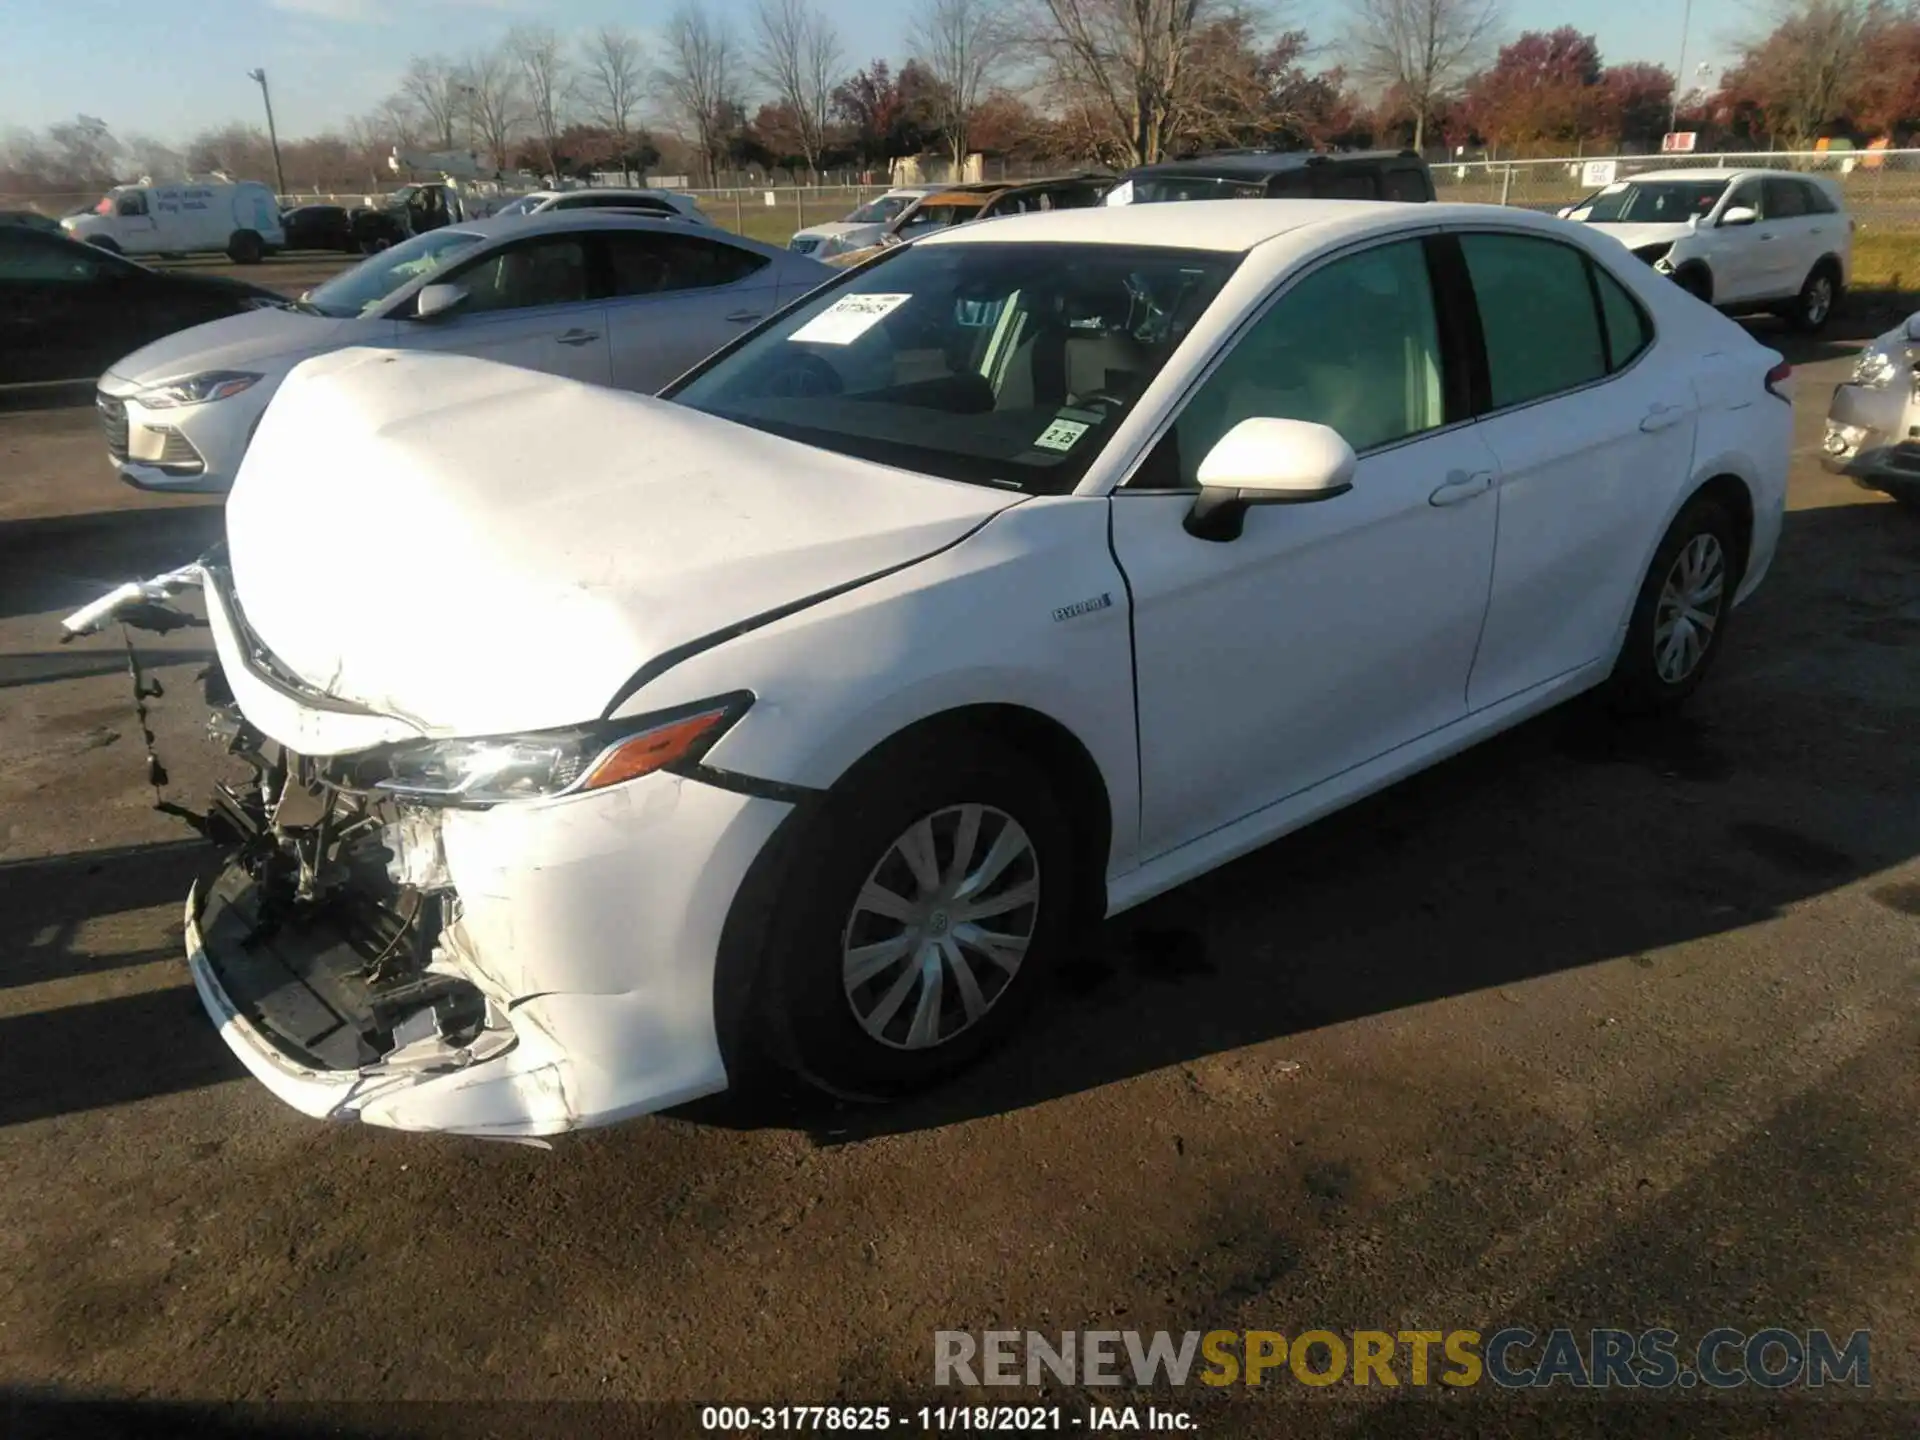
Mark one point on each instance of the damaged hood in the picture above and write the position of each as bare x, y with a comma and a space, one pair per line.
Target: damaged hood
1634, 236
479, 549
260, 338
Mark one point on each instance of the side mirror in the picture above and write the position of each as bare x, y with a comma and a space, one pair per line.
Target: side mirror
1740, 215
1265, 461
433, 301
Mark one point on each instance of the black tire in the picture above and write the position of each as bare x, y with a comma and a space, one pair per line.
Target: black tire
1818, 297
106, 243
805, 1015
1639, 685
1696, 282
245, 247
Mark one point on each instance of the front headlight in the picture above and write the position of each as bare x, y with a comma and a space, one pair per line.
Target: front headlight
549, 762
197, 389
1874, 370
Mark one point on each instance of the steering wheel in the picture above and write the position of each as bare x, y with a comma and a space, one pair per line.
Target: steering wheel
804, 377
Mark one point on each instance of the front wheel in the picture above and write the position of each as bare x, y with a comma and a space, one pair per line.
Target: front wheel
1697, 283
1813, 307
246, 248
915, 935
1679, 621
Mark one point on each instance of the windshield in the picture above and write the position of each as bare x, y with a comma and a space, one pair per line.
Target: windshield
929, 218
997, 364
878, 212
1174, 188
1650, 202
361, 290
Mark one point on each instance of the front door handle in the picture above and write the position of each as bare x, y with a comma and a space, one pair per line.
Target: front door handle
1462, 485
1659, 417
1766, 235
743, 317
579, 337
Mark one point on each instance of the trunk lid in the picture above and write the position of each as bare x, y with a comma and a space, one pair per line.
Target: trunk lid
479, 549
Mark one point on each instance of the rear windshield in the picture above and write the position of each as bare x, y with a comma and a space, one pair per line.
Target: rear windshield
997, 364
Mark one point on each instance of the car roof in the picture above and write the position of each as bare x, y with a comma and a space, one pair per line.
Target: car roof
1268, 162
1225, 226
1723, 172
639, 190
493, 226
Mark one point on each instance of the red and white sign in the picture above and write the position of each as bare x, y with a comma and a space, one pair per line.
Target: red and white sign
1678, 142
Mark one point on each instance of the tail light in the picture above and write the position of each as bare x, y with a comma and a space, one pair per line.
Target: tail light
1780, 382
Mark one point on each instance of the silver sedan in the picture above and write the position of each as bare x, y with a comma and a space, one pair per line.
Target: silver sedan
620, 300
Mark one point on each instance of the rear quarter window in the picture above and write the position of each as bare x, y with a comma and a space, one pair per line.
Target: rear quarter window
1407, 184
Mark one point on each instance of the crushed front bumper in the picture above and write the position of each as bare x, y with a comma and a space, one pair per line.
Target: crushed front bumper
1873, 437
509, 972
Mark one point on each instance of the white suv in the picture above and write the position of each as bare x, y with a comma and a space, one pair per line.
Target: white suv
1741, 240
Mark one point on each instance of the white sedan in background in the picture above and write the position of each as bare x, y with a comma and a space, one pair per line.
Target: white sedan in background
1019, 576
620, 300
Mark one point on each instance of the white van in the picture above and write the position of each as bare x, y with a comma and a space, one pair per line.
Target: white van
240, 217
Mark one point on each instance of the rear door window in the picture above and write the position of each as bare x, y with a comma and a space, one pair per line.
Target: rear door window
646, 263
1348, 185
1538, 315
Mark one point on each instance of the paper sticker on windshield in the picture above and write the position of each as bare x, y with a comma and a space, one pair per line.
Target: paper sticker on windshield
1061, 435
848, 318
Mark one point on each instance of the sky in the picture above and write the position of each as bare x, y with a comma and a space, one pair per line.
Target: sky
167, 71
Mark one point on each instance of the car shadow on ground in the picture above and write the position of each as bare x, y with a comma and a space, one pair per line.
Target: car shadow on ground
1574, 840
59, 563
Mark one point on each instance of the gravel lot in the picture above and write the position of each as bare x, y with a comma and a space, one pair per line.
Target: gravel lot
1588, 1027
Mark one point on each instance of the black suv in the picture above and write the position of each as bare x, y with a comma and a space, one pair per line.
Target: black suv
1280, 175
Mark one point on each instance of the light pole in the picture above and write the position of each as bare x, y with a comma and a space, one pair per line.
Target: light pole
1680, 70
273, 136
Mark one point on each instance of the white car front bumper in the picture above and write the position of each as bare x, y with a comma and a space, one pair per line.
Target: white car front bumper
189, 449
592, 927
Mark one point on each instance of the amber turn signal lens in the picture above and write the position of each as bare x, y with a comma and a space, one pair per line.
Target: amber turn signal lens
651, 750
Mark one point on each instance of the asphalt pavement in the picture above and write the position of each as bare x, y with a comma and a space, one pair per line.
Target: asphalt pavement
1593, 1026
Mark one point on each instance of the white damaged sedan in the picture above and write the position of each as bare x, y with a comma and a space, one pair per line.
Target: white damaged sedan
808, 710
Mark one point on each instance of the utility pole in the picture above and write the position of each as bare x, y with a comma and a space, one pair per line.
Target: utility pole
1680, 70
273, 136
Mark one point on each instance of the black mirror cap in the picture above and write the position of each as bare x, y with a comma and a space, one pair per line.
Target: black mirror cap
1219, 514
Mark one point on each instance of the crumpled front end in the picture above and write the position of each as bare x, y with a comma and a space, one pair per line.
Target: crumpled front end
1873, 422
507, 970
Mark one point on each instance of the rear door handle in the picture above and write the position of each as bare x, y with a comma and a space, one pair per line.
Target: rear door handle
579, 337
1659, 417
742, 317
1462, 485
1766, 235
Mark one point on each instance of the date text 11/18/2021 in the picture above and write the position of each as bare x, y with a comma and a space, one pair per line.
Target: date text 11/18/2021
943, 1419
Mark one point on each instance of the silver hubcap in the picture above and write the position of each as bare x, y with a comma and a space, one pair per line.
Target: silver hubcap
1819, 298
1689, 608
941, 926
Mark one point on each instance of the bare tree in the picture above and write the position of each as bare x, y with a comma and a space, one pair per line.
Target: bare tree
797, 55
432, 86
547, 79
961, 44
701, 77
490, 86
1140, 65
1808, 69
610, 85
1420, 49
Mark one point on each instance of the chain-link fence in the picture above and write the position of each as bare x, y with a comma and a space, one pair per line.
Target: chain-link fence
1880, 186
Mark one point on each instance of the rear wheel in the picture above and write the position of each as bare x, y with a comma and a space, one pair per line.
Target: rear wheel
246, 248
915, 935
1679, 620
1813, 307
